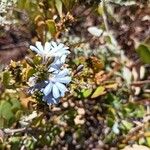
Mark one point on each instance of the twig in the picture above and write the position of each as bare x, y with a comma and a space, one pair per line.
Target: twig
131, 134
138, 83
141, 101
12, 46
12, 131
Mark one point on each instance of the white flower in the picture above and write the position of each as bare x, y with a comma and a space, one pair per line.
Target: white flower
50, 49
95, 31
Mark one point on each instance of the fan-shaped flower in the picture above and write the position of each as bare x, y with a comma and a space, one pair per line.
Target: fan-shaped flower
50, 49
56, 86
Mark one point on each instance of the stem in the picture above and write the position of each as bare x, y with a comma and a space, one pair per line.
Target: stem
138, 83
105, 16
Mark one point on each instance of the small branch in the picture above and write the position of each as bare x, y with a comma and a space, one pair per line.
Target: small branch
12, 131
135, 132
141, 101
12, 46
138, 83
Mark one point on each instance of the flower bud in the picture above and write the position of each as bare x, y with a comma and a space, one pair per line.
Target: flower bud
30, 61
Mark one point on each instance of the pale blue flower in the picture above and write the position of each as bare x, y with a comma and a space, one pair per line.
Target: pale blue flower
56, 86
50, 49
57, 63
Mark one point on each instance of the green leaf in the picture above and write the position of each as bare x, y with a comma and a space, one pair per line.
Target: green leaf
143, 51
127, 124
30, 73
99, 91
5, 111
133, 110
100, 9
2, 122
6, 78
86, 92
18, 114
58, 4
21, 4
114, 101
110, 121
148, 141
15, 105
51, 27
8, 109
24, 4
141, 141
139, 111
109, 137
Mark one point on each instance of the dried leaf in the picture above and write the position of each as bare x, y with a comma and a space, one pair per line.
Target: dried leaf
58, 4
136, 147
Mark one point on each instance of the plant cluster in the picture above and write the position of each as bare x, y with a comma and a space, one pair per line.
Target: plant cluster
76, 88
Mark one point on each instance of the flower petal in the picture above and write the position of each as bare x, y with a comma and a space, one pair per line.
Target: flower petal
62, 88
33, 48
49, 99
63, 73
61, 52
60, 46
53, 44
39, 46
55, 100
63, 59
64, 80
55, 91
47, 89
47, 47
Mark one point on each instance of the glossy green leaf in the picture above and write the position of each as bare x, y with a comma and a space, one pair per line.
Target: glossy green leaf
99, 91
143, 51
86, 92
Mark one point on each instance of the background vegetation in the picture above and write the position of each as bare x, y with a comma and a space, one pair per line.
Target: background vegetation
107, 106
